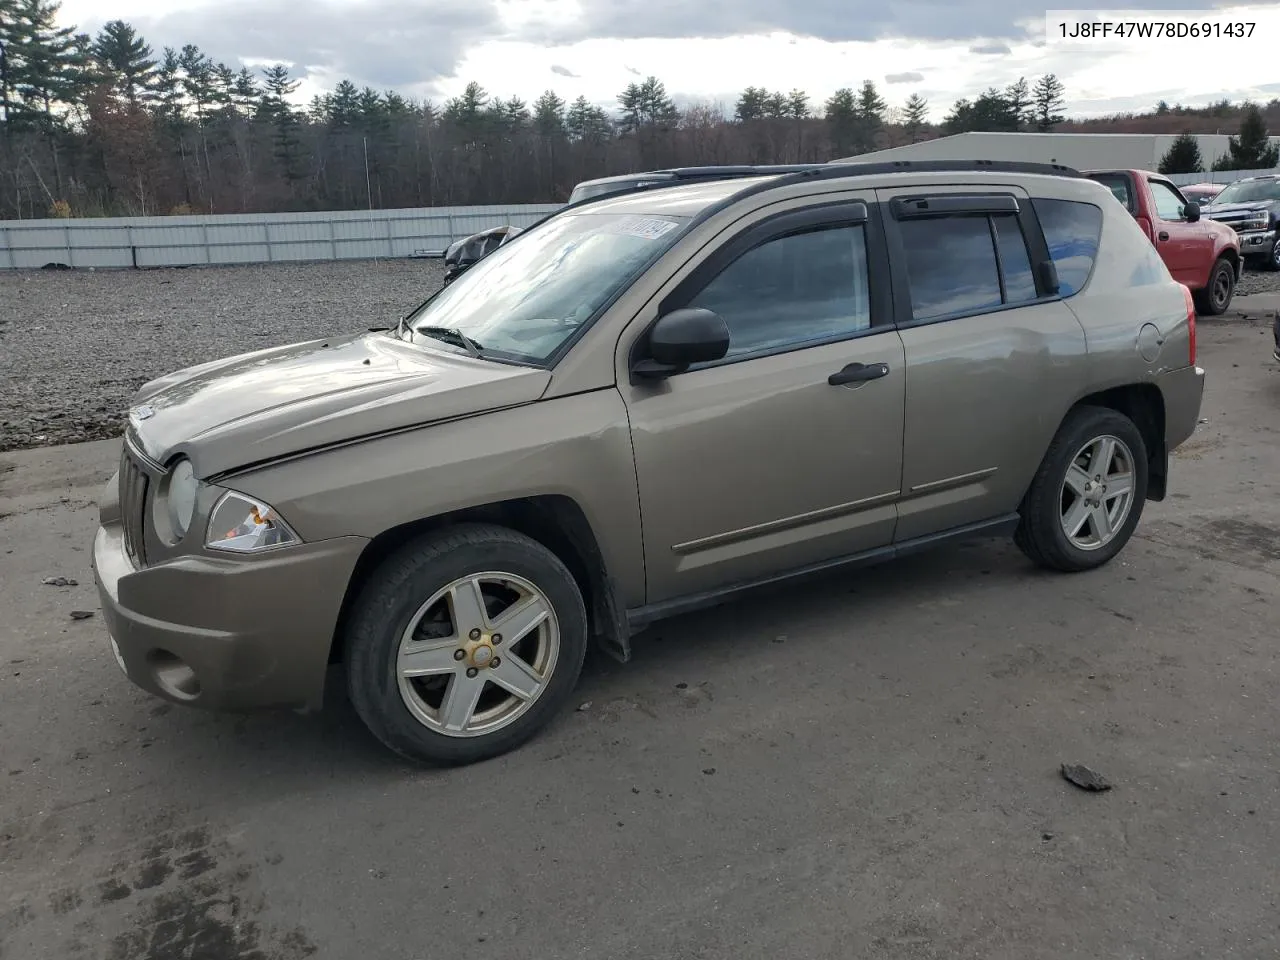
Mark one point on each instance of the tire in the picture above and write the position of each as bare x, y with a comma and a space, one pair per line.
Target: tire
1215, 298
399, 710
1272, 260
1047, 507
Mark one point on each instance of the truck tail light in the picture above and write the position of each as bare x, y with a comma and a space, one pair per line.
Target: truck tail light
1191, 322
1145, 224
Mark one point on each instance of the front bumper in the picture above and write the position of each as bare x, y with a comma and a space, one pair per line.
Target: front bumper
1257, 243
230, 634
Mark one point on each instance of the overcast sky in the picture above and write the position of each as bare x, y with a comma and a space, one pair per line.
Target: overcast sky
705, 50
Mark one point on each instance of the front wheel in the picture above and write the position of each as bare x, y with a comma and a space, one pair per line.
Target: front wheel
1214, 299
462, 646
1087, 497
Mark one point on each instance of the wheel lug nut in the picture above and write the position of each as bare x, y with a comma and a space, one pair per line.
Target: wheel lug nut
497, 662
497, 638
475, 634
459, 654
472, 671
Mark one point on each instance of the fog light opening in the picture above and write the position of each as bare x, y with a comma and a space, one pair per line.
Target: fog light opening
172, 675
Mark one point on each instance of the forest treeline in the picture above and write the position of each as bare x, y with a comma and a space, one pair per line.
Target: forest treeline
106, 125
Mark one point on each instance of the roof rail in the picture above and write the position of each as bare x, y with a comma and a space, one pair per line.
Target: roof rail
787, 174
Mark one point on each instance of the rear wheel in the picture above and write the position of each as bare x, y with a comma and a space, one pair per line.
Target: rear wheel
1215, 298
464, 645
1087, 497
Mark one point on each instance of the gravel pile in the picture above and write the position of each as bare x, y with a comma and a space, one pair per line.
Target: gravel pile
74, 346
1257, 280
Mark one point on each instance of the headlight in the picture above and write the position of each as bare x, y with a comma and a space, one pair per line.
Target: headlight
241, 524
176, 501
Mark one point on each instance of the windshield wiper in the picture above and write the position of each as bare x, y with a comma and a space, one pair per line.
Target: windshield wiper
453, 335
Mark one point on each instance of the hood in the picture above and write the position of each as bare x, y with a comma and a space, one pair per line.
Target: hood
1214, 209
258, 406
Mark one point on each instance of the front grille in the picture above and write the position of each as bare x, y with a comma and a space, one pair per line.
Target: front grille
133, 504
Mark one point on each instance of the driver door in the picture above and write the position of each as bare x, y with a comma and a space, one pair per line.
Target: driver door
761, 463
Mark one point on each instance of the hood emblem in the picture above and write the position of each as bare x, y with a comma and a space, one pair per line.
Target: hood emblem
144, 412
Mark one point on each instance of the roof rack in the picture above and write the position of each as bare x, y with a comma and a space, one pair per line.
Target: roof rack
787, 174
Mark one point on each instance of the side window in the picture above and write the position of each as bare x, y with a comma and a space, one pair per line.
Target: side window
1015, 261
951, 265
1168, 203
1120, 188
804, 287
1072, 231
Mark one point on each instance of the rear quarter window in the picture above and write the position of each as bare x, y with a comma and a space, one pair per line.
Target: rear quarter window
1072, 230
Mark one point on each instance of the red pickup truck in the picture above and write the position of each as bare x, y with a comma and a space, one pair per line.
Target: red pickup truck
1202, 254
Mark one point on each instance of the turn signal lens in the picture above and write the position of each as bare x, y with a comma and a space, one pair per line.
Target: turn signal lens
240, 524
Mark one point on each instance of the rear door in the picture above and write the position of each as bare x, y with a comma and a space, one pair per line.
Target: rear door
1185, 247
988, 351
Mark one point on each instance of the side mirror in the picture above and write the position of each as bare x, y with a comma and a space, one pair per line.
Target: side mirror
1191, 211
682, 338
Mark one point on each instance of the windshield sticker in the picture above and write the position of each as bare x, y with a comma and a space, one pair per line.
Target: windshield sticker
646, 228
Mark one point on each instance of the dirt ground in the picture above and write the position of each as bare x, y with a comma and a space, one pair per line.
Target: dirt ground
865, 767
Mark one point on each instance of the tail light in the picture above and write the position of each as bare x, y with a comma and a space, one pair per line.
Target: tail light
1191, 322
1145, 224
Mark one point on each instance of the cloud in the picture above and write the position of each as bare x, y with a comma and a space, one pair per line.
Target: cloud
632, 70
562, 71
834, 20
990, 49
911, 76
383, 43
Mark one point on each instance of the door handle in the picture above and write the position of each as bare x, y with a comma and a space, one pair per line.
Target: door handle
859, 373
1163, 235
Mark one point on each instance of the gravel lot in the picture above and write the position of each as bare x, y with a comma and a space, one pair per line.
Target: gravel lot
75, 346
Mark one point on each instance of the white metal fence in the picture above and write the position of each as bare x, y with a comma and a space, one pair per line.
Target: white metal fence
1218, 176
268, 238
250, 238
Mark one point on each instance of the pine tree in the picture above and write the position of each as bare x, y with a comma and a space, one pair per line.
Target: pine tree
586, 122
1252, 149
548, 115
126, 59
1183, 156
646, 106
514, 113
841, 113
1048, 98
467, 111
914, 115
798, 105
276, 109
197, 80
46, 65
1021, 106
168, 86
751, 104
245, 93
871, 106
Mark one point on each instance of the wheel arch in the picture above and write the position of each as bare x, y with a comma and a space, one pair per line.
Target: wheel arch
1143, 403
553, 520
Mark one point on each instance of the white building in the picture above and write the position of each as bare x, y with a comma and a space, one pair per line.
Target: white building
1083, 151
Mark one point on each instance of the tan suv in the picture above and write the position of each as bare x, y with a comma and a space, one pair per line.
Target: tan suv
642, 405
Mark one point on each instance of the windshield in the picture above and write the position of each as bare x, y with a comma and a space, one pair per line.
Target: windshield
1245, 191
526, 299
